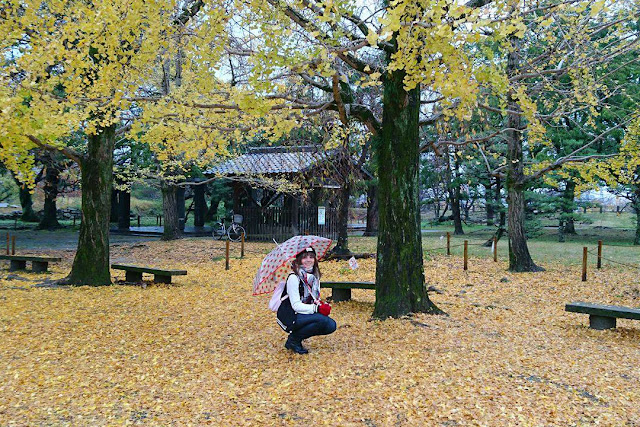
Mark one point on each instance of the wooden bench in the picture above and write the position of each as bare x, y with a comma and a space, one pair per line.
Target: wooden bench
39, 264
133, 273
603, 316
341, 291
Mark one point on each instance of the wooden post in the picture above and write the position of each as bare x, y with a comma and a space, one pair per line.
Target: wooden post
448, 243
584, 264
226, 266
242, 245
599, 253
138, 220
8, 243
495, 249
466, 243
74, 220
13, 245
160, 220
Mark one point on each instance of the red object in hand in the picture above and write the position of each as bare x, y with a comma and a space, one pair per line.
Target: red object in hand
324, 309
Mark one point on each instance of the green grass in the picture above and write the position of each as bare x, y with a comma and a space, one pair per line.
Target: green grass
618, 245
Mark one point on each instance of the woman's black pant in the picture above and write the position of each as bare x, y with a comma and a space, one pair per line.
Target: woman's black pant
309, 325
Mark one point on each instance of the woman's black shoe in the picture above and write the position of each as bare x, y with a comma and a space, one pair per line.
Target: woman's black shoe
296, 347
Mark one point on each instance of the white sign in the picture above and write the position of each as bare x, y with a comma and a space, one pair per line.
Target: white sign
321, 215
353, 263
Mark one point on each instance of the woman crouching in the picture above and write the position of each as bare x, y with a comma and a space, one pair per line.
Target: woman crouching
311, 314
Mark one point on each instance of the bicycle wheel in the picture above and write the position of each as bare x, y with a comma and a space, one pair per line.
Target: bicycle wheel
235, 232
218, 231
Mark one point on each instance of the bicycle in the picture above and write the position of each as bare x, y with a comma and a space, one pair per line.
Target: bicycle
234, 232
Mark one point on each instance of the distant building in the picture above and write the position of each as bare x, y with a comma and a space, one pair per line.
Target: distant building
269, 213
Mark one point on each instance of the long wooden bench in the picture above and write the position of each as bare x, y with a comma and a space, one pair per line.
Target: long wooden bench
603, 316
39, 264
133, 273
341, 291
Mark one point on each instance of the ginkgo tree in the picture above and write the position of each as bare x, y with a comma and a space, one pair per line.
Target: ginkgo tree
78, 66
539, 66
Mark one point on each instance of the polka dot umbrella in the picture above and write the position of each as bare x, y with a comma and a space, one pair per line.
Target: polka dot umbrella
277, 265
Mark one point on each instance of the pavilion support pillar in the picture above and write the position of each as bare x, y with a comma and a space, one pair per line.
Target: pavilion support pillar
180, 208
124, 210
200, 205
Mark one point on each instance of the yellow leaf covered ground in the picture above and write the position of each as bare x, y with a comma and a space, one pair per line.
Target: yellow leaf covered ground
204, 351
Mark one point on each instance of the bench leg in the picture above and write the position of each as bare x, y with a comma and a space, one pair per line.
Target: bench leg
40, 266
17, 265
133, 276
158, 278
338, 295
601, 322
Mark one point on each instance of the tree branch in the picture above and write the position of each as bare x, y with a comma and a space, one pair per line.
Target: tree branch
66, 151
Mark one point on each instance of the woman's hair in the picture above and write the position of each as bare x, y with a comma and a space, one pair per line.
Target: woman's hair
296, 265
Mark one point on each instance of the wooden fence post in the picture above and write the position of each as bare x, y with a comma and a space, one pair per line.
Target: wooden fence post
495, 249
226, 267
242, 245
466, 243
8, 243
138, 220
448, 243
599, 253
13, 245
584, 264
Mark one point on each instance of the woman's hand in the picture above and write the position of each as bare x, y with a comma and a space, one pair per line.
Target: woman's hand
324, 308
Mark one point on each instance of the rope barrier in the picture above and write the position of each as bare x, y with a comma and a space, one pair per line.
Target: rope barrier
611, 260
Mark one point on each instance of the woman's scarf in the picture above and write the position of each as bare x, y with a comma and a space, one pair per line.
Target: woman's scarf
313, 283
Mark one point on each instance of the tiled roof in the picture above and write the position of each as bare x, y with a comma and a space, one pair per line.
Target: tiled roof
270, 160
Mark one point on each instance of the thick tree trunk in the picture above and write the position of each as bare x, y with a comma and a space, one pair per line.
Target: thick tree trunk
50, 212
561, 231
170, 212
342, 245
569, 196
372, 210
91, 263
519, 257
400, 284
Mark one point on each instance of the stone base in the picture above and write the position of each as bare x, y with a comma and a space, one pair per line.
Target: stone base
133, 276
338, 295
17, 265
40, 266
601, 322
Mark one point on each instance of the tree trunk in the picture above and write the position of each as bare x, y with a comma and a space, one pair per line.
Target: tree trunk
519, 258
561, 231
170, 212
489, 203
49, 219
26, 202
91, 263
455, 211
569, 196
342, 245
453, 191
400, 284
372, 210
